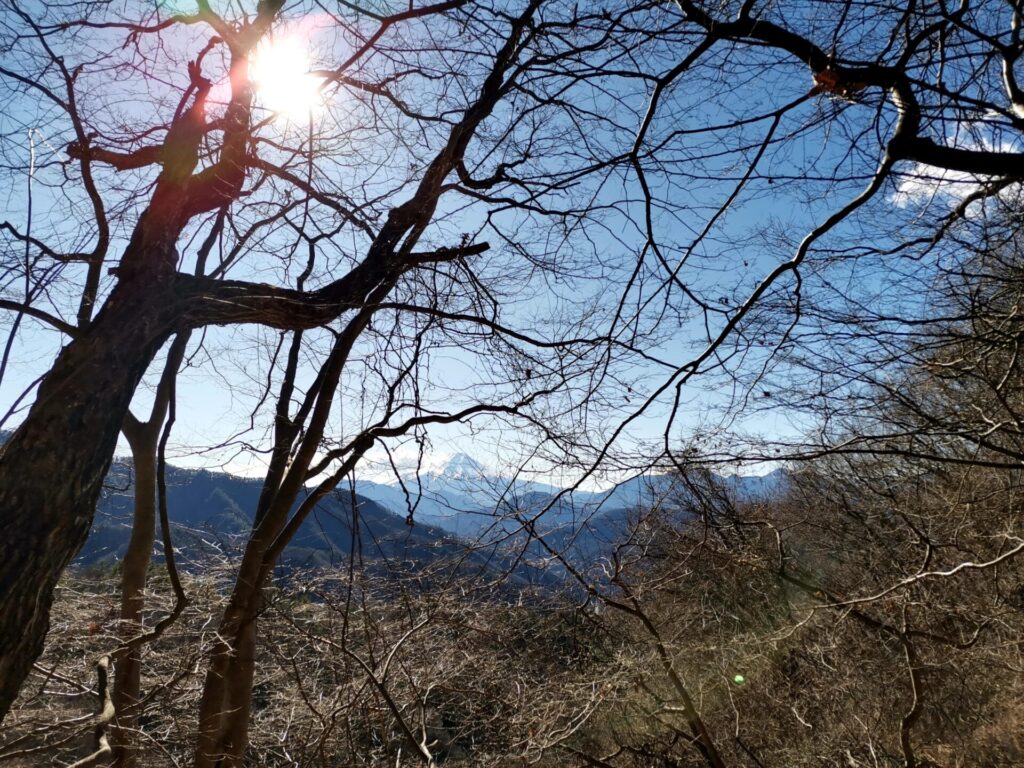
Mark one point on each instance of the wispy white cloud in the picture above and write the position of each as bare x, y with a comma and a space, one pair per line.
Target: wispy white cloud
922, 185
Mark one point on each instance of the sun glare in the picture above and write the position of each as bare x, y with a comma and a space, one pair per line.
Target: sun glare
279, 71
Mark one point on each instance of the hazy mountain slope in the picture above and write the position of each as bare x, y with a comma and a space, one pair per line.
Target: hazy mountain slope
211, 514
455, 502
459, 496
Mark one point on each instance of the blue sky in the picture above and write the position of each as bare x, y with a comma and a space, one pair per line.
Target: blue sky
692, 171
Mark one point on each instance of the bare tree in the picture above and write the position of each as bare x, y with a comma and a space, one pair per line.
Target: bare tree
203, 163
486, 150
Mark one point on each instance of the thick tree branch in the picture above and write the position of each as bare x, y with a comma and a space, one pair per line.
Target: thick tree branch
38, 314
907, 142
205, 301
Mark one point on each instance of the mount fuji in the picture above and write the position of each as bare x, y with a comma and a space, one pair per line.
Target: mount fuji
453, 502
459, 495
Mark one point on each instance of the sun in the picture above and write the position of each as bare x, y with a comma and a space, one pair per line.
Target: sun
279, 72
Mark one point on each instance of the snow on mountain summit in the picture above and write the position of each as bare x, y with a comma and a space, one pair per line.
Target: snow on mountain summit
462, 466
439, 464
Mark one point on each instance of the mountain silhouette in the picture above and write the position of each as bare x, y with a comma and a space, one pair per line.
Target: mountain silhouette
211, 516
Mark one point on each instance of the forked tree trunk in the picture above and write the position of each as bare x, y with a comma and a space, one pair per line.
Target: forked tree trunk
143, 437
134, 571
52, 468
224, 709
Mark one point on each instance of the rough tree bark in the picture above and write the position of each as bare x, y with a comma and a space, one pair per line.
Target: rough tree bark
52, 468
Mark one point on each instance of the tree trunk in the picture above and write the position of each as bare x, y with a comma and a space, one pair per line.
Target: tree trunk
227, 693
225, 706
134, 572
144, 438
52, 468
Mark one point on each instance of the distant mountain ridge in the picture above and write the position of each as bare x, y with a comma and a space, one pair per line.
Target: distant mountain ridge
453, 500
211, 516
461, 497
452, 503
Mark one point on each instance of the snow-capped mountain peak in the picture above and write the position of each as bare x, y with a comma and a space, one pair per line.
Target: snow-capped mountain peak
461, 466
